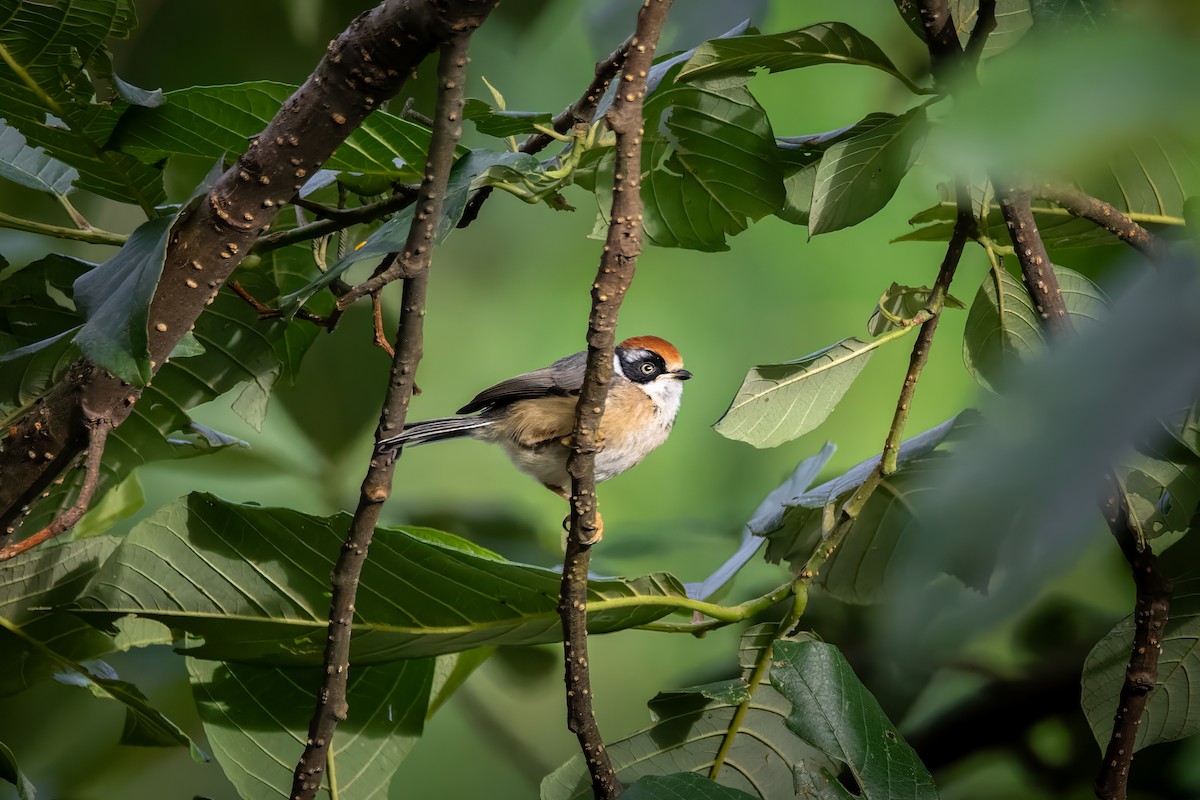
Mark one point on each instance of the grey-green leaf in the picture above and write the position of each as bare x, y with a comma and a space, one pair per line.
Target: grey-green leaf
833, 712
115, 298
1173, 706
256, 720
823, 43
423, 592
1004, 328
11, 772
858, 176
779, 402
30, 166
682, 786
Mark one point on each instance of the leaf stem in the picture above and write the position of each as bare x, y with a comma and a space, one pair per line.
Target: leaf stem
89, 234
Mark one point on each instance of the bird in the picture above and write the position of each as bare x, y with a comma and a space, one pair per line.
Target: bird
532, 415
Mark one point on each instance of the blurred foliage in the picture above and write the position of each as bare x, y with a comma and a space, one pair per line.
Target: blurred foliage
754, 129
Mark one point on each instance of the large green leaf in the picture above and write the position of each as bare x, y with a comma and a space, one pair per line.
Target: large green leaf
860, 569
710, 164
30, 166
682, 786
50, 576
1162, 482
801, 156
859, 175
51, 52
1004, 328
833, 711
1173, 706
256, 720
689, 728
779, 402
823, 43
212, 122
254, 582
115, 300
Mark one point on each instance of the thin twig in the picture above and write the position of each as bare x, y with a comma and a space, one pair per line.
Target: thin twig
332, 706
380, 337
1107, 216
334, 220
97, 435
580, 112
266, 312
613, 278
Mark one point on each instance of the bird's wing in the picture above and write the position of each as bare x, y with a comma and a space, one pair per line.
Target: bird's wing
563, 378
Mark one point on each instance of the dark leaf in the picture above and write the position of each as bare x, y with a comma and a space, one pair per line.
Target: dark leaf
833, 712
11, 772
682, 786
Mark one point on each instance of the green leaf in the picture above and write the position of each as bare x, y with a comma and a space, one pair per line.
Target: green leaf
423, 592
211, 122
689, 728
801, 156
46, 91
859, 175
121, 502
115, 299
779, 402
823, 43
902, 302
11, 772
145, 725
1162, 481
1173, 705
451, 672
503, 123
833, 711
1004, 329
41, 579
256, 720
468, 173
30, 166
861, 569
682, 786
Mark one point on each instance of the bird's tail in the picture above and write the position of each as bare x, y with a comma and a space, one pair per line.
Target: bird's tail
434, 430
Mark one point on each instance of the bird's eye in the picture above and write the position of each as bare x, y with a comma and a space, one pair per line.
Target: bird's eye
647, 368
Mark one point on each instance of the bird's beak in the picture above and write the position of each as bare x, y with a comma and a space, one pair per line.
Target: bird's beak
681, 374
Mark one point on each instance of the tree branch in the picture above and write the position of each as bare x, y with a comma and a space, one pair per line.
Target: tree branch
332, 706
580, 112
334, 220
89, 235
1036, 270
617, 266
97, 436
1107, 216
368, 63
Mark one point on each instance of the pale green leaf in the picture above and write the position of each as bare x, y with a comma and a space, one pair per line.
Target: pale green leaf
779, 402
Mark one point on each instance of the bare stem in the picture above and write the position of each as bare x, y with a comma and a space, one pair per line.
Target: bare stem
613, 278
89, 234
1107, 216
332, 704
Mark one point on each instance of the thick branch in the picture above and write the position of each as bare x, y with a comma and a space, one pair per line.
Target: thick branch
97, 436
1036, 270
365, 65
580, 112
332, 706
617, 266
1107, 216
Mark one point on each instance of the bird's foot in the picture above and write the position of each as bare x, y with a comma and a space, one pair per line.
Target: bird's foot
585, 537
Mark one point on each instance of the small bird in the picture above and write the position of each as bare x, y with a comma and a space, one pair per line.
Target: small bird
532, 416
